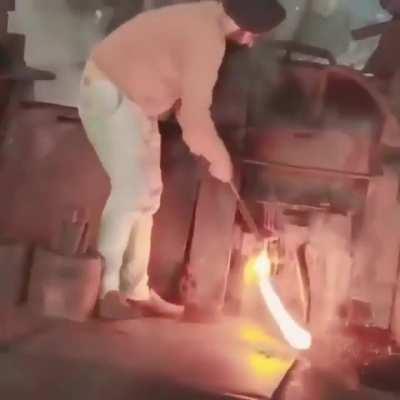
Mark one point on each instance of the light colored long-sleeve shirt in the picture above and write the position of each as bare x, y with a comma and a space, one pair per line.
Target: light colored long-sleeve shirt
167, 55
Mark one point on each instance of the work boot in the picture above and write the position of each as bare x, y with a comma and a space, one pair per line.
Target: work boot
115, 306
156, 306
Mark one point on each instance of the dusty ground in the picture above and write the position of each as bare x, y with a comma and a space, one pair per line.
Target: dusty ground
147, 358
159, 359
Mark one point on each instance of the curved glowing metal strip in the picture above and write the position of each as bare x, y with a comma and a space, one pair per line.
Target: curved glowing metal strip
294, 334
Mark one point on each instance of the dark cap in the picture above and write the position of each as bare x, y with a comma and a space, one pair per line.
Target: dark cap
392, 7
255, 16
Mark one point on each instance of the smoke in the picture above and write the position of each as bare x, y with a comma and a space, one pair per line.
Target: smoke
328, 24
58, 39
60, 34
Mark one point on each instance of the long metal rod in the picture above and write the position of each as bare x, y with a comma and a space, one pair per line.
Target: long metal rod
245, 213
309, 170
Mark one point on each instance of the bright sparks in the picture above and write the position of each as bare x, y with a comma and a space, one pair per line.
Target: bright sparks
293, 333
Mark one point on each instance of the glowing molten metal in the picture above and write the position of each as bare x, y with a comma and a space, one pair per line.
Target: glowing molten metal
294, 334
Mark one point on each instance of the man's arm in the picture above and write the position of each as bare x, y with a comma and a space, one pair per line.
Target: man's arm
200, 73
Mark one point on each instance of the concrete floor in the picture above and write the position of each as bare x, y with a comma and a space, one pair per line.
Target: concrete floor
160, 359
141, 359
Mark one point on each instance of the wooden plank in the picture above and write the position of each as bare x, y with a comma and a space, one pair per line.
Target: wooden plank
70, 175
211, 247
376, 249
329, 265
173, 221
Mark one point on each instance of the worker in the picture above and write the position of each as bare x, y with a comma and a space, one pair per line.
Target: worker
158, 60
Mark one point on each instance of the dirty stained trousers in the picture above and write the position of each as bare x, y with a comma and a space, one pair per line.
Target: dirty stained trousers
127, 143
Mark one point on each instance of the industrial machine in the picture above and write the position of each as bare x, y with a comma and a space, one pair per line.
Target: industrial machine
313, 143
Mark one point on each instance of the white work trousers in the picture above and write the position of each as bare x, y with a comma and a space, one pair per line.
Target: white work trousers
127, 143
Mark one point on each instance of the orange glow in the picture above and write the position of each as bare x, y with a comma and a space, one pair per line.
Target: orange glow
293, 333
256, 337
269, 367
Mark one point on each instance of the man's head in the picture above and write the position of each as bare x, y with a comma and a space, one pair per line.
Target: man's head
391, 6
250, 18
